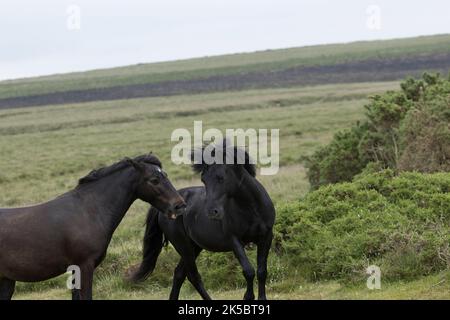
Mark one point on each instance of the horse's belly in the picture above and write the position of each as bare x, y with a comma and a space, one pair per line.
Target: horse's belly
32, 269
32, 276
28, 259
211, 239
212, 246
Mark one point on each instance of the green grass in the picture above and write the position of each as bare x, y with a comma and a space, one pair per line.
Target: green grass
431, 287
227, 64
46, 149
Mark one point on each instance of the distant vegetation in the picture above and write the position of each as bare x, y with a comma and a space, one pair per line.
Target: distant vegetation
337, 63
404, 130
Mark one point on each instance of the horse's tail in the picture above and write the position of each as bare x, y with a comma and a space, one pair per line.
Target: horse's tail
153, 244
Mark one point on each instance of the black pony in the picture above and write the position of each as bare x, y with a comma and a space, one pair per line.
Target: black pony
232, 210
40, 242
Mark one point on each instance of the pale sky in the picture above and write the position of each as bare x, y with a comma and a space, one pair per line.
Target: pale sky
42, 37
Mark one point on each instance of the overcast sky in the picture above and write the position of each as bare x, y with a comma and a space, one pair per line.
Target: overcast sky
55, 36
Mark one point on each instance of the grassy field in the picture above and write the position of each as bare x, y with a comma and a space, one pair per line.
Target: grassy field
431, 287
46, 149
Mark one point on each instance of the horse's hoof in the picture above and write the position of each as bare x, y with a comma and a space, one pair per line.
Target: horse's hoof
249, 296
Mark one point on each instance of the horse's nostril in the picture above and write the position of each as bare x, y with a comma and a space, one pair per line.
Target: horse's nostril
215, 214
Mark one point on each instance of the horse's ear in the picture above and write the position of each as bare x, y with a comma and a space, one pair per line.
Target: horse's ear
138, 166
196, 166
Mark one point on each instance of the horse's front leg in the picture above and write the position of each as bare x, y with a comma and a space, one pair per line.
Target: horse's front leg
180, 274
262, 254
87, 275
6, 288
248, 270
195, 278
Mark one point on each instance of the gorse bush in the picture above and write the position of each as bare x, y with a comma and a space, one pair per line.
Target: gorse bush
405, 130
340, 160
400, 223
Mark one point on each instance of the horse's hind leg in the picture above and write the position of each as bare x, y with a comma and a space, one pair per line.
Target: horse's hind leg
262, 254
7, 288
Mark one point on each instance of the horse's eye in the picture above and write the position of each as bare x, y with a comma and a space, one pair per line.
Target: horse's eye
154, 181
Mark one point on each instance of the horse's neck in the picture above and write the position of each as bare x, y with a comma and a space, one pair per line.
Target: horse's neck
113, 196
251, 194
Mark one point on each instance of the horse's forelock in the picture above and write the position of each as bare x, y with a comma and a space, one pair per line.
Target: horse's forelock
239, 157
150, 159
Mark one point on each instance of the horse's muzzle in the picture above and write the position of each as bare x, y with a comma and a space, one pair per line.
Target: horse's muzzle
177, 210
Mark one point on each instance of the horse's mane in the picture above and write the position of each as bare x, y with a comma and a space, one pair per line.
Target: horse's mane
228, 151
97, 174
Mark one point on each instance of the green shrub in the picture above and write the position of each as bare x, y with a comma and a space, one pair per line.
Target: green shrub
339, 161
405, 130
400, 223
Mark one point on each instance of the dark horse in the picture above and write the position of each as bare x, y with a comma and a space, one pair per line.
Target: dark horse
232, 210
40, 242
